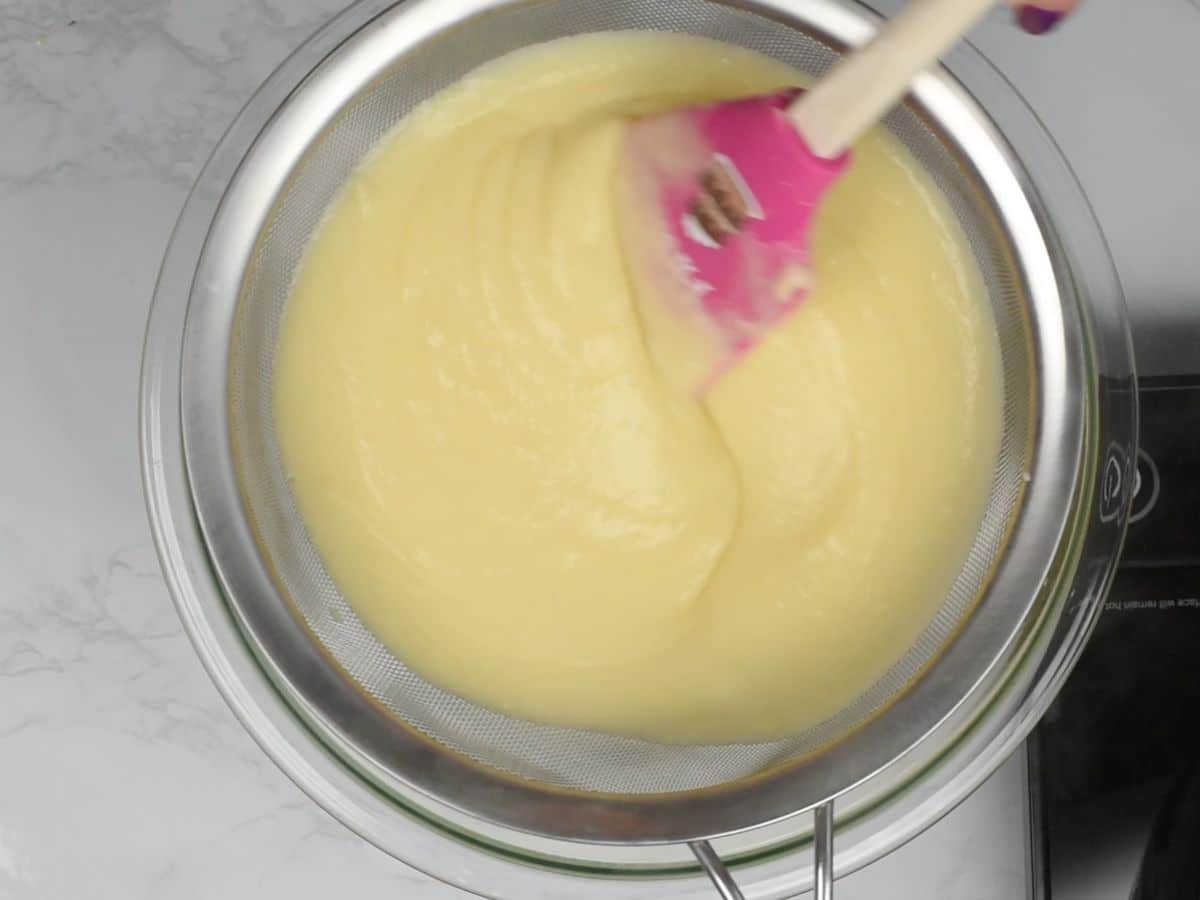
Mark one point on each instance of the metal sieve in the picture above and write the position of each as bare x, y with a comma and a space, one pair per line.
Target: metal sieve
407, 736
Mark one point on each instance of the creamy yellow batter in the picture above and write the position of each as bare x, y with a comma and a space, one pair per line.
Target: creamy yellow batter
523, 510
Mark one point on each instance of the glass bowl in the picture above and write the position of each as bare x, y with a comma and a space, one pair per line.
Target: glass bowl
880, 814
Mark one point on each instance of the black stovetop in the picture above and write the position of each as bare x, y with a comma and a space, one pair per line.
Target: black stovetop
1116, 758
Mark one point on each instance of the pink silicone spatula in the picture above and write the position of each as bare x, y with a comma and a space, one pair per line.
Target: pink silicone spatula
726, 193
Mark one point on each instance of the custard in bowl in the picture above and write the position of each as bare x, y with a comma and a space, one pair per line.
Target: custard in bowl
521, 507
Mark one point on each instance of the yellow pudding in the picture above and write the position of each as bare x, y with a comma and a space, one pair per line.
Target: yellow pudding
526, 513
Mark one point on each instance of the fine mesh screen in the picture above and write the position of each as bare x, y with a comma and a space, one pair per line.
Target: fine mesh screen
563, 757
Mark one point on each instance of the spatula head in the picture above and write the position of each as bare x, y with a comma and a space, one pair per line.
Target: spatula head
717, 202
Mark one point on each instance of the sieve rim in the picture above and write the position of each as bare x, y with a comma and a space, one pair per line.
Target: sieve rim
441, 774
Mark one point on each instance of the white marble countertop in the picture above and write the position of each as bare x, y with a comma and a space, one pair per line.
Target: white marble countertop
122, 773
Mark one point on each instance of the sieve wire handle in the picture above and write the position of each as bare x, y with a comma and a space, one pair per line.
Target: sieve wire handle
711, 863
823, 852
822, 863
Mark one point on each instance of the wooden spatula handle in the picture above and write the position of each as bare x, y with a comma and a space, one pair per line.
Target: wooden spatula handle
867, 82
